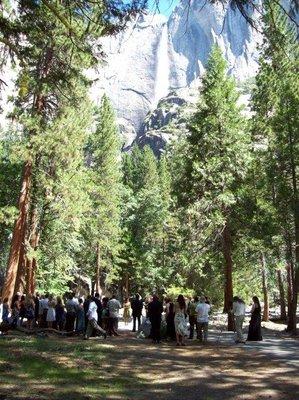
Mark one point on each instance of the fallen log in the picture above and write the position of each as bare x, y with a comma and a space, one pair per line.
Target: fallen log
45, 330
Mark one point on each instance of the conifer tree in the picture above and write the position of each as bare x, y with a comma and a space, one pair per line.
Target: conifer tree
146, 222
276, 103
53, 43
102, 231
61, 198
216, 164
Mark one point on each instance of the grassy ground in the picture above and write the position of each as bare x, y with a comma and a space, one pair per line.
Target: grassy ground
126, 368
43, 368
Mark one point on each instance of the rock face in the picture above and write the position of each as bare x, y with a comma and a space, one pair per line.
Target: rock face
169, 119
134, 76
153, 57
193, 33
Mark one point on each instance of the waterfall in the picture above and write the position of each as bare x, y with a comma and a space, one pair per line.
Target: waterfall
162, 67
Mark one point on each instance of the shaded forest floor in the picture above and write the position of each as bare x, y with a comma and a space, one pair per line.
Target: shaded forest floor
121, 368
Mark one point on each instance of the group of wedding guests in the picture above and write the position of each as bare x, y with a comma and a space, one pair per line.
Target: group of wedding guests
94, 314
69, 314
196, 311
177, 315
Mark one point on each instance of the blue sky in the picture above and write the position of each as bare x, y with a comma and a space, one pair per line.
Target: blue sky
165, 6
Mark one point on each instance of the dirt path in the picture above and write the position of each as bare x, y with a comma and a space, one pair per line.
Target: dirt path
127, 368
218, 370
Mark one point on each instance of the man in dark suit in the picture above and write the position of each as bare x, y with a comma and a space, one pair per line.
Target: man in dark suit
155, 309
137, 306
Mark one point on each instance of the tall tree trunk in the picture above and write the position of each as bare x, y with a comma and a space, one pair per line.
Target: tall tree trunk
20, 285
282, 303
292, 323
290, 282
265, 288
18, 236
98, 271
127, 285
31, 263
228, 290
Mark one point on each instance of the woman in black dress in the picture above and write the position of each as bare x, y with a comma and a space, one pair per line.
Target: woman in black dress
169, 312
255, 328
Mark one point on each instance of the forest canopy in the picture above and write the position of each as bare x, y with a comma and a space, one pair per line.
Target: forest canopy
219, 208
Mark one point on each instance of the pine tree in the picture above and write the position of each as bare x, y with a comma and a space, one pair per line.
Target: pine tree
217, 159
146, 221
103, 225
275, 103
61, 198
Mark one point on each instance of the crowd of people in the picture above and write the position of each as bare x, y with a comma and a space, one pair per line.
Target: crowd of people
96, 315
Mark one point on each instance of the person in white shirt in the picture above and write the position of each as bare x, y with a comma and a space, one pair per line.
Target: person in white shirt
239, 316
113, 308
92, 316
202, 310
43, 310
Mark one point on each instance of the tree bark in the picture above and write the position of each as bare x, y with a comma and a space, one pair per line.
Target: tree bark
282, 303
18, 236
228, 290
290, 286
31, 263
265, 288
292, 322
98, 271
291, 280
127, 285
20, 285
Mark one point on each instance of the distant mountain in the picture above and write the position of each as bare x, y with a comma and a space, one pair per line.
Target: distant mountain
155, 56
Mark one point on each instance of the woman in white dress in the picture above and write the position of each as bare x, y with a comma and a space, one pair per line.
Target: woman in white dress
51, 315
180, 321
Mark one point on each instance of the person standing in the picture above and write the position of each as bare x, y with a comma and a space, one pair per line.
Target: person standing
80, 321
105, 314
86, 306
45, 306
40, 311
22, 310
239, 316
180, 321
255, 324
15, 309
100, 307
51, 316
137, 306
113, 309
71, 308
29, 305
92, 316
60, 314
155, 309
191, 311
126, 315
36, 308
169, 316
202, 310
5, 311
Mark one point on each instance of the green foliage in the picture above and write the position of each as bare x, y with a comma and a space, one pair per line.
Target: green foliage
174, 291
102, 225
146, 220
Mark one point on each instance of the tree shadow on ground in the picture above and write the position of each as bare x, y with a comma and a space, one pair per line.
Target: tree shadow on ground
127, 368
